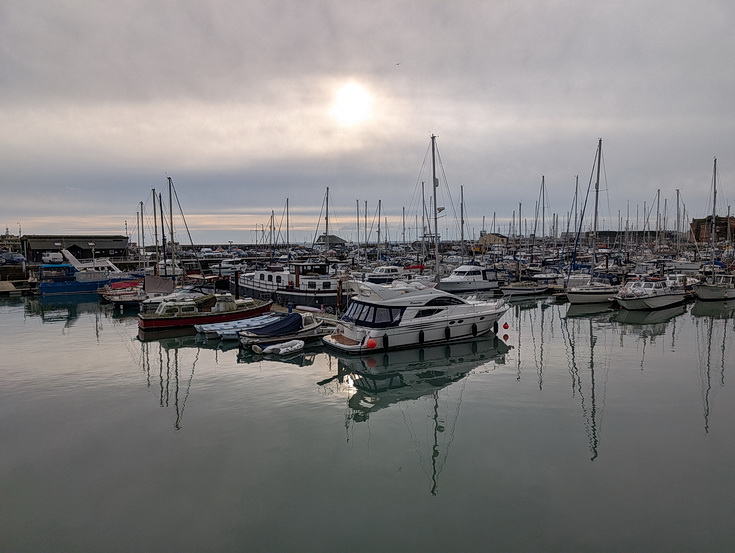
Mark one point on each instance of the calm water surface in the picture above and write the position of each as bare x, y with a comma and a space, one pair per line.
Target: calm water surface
572, 431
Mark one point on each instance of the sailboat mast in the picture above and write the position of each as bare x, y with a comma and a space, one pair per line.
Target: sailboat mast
461, 220
141, 232
597, 200
714, 215
377, 246
435, 181
403, 217
171, 223
163, 234
155, 232
288, 238
272, 233
326, 224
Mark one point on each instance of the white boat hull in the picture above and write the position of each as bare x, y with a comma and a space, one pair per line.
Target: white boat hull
380, 339
584, 296
714, 292
458, 287
651, 302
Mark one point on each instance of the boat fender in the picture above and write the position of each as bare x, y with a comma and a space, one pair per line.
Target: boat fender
447, 333
371, 343
421, 337
385, 341
474, 329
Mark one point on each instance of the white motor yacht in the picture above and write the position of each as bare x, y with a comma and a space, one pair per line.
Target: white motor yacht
409, 314
469, 278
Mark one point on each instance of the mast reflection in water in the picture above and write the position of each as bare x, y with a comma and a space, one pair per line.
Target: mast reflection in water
714, 325
383, 380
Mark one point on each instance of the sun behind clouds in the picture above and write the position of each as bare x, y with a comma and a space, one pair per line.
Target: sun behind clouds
352, 104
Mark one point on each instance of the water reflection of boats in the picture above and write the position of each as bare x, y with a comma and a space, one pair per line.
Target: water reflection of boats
655, 317
716, 309
586, 358
523, 302
176, 341
382, 379
67, 309
594, 310
714, 348
303, 358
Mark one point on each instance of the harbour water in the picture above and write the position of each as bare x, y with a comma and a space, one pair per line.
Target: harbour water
573, 430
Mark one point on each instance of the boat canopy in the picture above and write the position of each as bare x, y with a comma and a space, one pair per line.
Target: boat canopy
287, 325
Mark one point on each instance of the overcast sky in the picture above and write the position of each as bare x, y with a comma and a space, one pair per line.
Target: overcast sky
245, 103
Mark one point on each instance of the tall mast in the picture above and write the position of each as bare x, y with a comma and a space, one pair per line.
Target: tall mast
377, 247
272, 233
357, 203
288, 238
155, 232
141, 232
543, 209
171, 223
163, 234
436, 213
597, 199
404, 223
714, 215
461, 220
326, 225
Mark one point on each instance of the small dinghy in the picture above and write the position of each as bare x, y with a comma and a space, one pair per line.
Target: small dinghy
284, 348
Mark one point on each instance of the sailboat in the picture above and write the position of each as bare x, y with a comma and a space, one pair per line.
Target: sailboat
720, 286
595, 290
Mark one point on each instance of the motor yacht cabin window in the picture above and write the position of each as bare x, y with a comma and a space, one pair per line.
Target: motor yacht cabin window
426, 313
372, 316
445, 300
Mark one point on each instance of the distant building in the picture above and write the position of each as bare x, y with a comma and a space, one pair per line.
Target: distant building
491, 239
334, 241
82, 246
702, 228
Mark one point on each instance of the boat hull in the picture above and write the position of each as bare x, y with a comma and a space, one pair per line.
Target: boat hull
466, 286
365, 340
579, 297
283, 296
149, 322
524, 290
651, 302
714, 292
66, 287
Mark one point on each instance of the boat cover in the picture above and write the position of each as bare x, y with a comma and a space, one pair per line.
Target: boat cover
290, 324
158, 285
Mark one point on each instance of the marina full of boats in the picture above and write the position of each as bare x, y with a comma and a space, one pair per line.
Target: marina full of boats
284, 306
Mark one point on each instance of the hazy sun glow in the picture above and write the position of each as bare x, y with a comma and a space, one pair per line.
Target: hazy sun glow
352, 104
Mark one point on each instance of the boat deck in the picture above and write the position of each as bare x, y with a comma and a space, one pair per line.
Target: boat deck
344, 340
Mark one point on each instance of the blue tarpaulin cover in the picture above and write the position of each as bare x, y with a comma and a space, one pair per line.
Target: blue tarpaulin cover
289, 324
